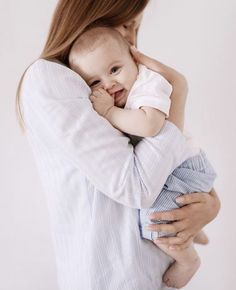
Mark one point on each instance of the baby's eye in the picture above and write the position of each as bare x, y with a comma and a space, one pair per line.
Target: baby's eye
94, 83
115, 69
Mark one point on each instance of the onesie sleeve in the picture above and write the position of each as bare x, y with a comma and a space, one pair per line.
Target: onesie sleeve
58, 112
151, 90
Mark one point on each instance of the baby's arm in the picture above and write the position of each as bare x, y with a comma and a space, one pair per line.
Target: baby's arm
143, 122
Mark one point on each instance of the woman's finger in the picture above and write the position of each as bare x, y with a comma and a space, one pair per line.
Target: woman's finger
192, 198
174, 227
143, 59
174, 243
170, 241
162, 228
172, 215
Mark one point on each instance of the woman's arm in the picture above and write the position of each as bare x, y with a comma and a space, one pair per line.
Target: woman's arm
198, 208
59, 114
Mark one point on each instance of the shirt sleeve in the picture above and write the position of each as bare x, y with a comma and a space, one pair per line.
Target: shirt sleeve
57, 109
151, 90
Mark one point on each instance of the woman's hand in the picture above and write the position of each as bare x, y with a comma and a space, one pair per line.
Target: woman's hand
102, 101
171, 75
197, 211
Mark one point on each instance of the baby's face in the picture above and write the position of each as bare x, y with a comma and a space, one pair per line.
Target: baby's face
111, 67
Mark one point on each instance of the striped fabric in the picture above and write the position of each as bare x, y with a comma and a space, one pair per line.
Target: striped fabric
194, 175
95, 181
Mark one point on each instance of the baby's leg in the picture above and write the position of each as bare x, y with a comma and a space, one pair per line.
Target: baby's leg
184, 267
193, 175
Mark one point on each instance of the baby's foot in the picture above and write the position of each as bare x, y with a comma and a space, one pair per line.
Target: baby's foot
201, 238
179, 274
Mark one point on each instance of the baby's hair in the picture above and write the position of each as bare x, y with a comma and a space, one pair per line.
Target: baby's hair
92, 38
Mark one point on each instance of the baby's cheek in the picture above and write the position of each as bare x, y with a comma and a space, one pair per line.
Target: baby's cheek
135, 72
132, 77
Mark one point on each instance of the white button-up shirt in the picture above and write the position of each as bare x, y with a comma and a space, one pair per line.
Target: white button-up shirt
95, 181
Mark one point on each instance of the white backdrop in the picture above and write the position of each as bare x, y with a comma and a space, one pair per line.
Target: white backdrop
196, 37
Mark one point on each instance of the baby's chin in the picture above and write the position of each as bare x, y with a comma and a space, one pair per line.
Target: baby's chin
122, 101
120, 105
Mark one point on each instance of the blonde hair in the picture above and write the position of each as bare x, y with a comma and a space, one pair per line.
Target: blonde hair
93, 38
71, 18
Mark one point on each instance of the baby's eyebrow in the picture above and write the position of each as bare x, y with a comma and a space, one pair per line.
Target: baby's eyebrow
117, 62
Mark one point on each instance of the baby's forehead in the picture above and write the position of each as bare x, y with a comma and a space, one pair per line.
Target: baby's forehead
100, 33
98, 37
106, 54
103, 42
110, 45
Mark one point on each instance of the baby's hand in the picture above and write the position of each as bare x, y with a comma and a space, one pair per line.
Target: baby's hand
102, 102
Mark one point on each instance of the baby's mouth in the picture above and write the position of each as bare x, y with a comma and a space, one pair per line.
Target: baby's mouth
119, 94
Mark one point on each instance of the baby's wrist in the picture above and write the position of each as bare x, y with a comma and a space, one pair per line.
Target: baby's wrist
109, 113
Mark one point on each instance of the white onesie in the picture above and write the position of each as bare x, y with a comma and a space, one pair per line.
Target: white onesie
151, 90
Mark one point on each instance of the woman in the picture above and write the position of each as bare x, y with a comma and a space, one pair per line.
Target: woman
95, 180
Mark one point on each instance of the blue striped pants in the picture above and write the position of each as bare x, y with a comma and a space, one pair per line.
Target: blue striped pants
193, 175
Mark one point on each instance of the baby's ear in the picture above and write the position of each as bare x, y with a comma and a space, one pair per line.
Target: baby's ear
133, 52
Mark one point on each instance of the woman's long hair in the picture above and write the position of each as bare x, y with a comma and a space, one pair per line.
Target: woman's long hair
71, 18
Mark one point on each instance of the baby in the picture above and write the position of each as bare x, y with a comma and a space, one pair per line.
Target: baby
136, 101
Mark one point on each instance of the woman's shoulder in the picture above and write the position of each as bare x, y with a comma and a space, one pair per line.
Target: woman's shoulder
50, 69
52, 77
40, 66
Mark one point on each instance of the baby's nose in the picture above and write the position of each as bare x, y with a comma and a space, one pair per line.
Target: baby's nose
108, 85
